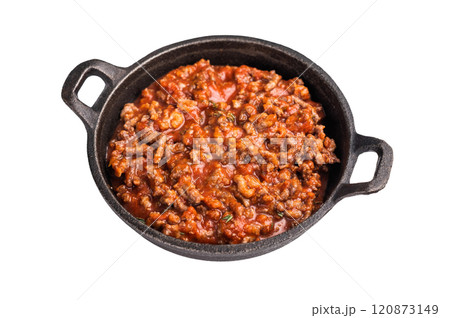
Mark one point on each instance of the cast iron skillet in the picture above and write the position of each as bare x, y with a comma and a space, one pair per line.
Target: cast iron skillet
123, 85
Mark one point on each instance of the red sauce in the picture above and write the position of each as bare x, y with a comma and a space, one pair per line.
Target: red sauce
246, 194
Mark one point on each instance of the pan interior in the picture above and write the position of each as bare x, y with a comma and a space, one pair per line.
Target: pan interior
263, 56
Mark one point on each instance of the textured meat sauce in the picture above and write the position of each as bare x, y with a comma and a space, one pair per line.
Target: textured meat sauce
199, 155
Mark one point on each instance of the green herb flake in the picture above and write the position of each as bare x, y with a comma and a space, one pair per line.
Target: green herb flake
217, 114
227, 218
181, 233
141, 220
231, 117
280, 214
214, 105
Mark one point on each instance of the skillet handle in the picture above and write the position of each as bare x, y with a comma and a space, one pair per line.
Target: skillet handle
110, 74
382, 172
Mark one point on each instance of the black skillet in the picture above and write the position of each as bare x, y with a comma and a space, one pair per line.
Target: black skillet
123, 85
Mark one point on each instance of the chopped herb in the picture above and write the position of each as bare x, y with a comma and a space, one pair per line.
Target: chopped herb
280, 214
217, 114
141, 220
182, 233
227, 218
231, 117
214, 105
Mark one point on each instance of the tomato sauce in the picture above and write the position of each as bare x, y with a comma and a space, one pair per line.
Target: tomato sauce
197, 156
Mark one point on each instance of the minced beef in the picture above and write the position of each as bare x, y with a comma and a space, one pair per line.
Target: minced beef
241, 186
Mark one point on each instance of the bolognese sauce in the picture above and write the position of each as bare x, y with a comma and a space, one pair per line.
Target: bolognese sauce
221, 154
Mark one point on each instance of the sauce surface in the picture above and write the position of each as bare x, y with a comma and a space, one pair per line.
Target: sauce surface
221, 154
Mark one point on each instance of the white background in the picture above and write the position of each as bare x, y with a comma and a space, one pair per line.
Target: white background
64, 253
